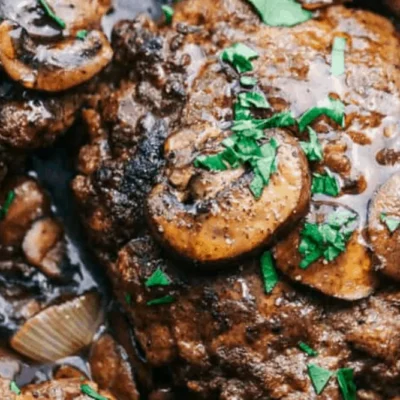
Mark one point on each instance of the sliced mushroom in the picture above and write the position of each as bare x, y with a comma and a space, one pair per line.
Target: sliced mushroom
30, 203
76, 14
44, 246
60, 330
51, 67
233, 222
350, 276
384, 226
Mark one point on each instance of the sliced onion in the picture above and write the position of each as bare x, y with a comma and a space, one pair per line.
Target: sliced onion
60, 330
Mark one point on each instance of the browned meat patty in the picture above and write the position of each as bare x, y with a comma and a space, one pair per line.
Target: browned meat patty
218, 334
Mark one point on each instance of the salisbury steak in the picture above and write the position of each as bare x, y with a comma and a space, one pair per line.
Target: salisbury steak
181, 148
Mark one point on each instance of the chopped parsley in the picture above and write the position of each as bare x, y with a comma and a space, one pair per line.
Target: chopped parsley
168, 13
128, 298
82, 34
89, 391
158, 278
345, 377
307, 349
392, 223
327, 240
325, 184
239, 56
281, 12
338, 48
319, 377
253, 99
248, 81
162, 300
313, 148
7, 204
14, 388
332, 108
52, 14
268, 271
279, 120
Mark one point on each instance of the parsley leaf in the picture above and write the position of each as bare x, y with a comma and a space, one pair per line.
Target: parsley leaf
279, 120
82, 34
52, 14
345, 377
7, 204
319, 377
338, 62
248, 81
332, 108
89, 391
313, 148
239, 56
128, 298
162, 300
158, 278
14, 388
325, 184
281, 12
307, 349
214, 162
392, 223
253, 99
327, 240
269, 273
168, 13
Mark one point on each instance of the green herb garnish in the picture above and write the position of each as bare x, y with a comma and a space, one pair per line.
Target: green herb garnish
268, 271
253, 99
162, 300
327, 240
239, 56
338, 48
52, 14
82, 34
89, 391
168, 13
281, 12
158, 278
392, 223
248, 81
14, 388
345, 377
279, 120
313, 148
307, 349
325, 184
319, 377
332, 108
7, 204
128, 298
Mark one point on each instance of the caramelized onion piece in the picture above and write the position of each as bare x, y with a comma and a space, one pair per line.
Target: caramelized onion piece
220, 225
52, 67
60, 330
350, 276
44, 246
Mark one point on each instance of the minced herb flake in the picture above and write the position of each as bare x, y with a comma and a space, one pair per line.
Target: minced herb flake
268, 271
168, 13
325, 184
239, 56
82, 34
248, 81
253, 99
158, 278
281, 12
332, 108
162, 300
7, 204
307, 349
52, 14
319, 377
89, 391
338, 60
345, 377
313, 148
14, 388
392, 223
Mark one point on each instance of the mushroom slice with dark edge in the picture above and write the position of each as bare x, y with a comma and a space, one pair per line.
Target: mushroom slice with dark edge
52, 67
233, 222
384, 226
342, 267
